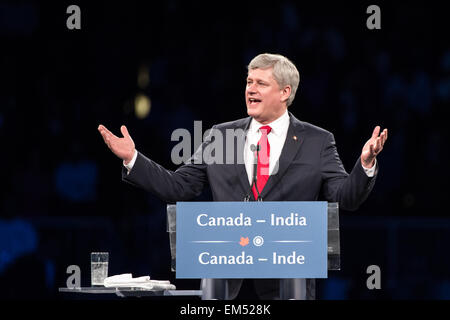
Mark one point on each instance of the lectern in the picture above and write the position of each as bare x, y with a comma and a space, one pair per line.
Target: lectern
290, 289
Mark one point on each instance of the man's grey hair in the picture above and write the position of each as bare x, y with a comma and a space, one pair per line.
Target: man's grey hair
284, 71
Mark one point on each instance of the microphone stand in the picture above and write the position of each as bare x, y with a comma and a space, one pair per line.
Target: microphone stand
254, 148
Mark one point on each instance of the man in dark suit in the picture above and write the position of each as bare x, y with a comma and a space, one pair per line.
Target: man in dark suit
273, 157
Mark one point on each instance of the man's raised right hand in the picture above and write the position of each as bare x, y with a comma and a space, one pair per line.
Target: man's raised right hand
121, 147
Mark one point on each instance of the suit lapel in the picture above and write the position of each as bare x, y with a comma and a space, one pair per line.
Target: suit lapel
294, 140
240, 165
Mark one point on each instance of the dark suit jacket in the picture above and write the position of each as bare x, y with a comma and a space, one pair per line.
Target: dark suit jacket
309, 168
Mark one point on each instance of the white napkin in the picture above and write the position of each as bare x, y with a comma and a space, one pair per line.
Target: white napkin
126, 280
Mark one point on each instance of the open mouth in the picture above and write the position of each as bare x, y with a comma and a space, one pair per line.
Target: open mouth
253, 101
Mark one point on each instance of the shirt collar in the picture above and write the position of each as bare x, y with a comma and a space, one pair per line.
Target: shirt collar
278, 125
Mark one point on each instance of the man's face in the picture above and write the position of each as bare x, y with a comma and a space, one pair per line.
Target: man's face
263, 96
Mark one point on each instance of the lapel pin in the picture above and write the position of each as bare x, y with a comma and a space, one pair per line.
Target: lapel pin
295, 138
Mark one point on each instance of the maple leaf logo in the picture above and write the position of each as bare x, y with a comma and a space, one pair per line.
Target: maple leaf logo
244, 241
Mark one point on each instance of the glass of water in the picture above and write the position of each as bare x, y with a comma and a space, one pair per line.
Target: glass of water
99, 267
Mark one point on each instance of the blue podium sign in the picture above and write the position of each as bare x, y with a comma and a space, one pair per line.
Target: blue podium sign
251, 240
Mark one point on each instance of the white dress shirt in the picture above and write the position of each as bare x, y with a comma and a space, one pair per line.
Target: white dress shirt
276, 137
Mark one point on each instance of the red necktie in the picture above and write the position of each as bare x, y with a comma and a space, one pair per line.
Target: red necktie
262, 174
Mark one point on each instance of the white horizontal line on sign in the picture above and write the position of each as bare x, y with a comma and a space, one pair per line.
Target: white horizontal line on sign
291, 241
210, 241
262, 259
264, 221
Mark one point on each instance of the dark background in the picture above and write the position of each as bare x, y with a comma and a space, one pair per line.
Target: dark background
62, 196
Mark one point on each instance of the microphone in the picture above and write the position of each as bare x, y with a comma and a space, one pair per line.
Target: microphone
256, 148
